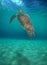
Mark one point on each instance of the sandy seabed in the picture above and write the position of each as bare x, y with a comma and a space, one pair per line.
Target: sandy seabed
23, 52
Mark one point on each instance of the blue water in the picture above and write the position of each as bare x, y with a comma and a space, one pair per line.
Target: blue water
37, 12
15, 46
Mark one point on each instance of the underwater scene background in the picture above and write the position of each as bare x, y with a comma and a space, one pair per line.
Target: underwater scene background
15, 46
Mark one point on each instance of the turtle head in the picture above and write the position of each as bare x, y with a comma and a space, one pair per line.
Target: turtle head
19, 11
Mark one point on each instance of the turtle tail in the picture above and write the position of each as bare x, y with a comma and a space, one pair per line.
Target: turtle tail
11, 19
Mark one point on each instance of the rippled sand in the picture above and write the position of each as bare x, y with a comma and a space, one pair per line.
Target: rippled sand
23, 52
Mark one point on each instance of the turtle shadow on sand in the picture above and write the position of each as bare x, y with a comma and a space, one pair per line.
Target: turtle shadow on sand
21, 59
44, 59
25, 22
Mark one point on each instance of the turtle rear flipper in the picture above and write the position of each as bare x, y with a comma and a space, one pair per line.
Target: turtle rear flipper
11, 19
30, 34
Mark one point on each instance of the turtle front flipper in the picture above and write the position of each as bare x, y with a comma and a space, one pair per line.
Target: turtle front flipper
11, 19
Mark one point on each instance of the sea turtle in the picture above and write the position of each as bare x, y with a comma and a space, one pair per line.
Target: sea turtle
24, 21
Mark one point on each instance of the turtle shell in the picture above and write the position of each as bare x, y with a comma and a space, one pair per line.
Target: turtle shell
24, 19
25, 22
